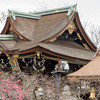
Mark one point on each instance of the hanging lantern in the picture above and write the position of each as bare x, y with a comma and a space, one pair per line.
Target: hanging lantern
92, 94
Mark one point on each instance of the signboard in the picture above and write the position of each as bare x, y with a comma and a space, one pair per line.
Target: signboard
14, 63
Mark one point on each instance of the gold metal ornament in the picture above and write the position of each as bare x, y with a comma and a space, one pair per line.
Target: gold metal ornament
38, 53
92, 94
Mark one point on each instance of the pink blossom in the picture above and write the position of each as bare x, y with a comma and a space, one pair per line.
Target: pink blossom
10, 88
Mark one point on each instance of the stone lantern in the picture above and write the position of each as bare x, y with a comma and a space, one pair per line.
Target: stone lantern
39, 94
66, 94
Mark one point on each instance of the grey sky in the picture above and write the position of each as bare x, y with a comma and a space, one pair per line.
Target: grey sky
88, 9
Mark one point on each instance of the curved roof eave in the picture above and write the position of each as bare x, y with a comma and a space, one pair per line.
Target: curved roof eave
8, 21
71, 17
83, 33
5, 50
54, 54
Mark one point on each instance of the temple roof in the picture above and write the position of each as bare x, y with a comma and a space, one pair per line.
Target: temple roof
44, 31
69, 48
89, 71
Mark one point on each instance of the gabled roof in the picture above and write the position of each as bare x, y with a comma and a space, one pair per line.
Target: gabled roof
49, 21
41, 29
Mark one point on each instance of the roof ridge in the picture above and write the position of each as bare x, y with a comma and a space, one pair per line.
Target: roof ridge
22, 14
57, 10
37, 15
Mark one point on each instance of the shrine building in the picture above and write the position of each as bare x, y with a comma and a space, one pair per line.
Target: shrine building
37, 41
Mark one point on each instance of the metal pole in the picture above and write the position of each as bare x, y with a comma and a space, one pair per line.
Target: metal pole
57, 88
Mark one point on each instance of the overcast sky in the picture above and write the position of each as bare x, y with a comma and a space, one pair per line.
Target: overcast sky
89, 10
